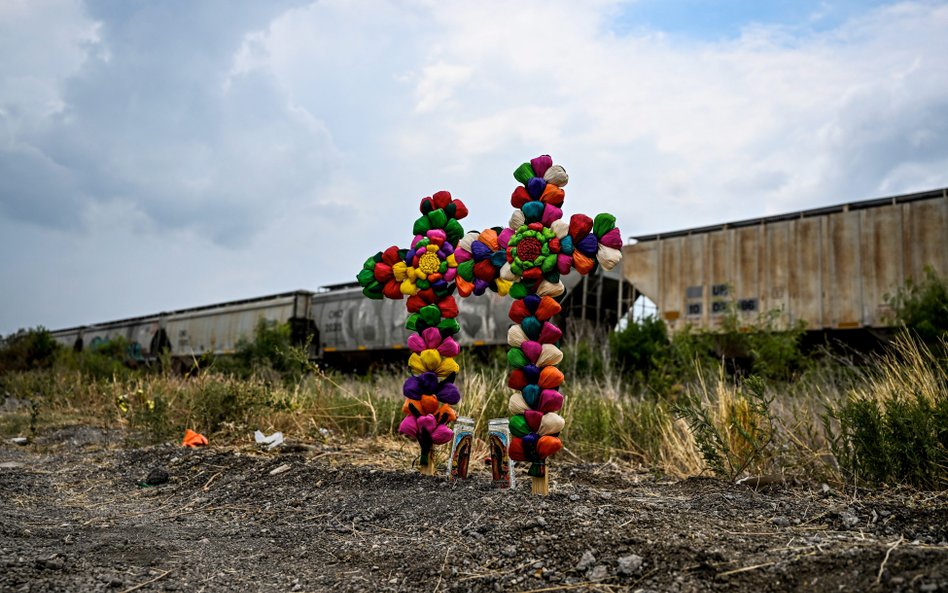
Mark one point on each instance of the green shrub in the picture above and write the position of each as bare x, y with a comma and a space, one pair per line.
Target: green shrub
641, 348
270, 354
151, 414
733, 426
894, 429
227, 401
100, 361
860, 447
581, 359
585, 351
771, 352
663, 363
658, 363
922, 307
903, 441
27, 349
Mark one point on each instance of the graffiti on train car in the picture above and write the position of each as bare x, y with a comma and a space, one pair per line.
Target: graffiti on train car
349, 322
132, 350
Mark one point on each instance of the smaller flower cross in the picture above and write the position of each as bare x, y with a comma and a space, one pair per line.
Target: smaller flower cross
426, 274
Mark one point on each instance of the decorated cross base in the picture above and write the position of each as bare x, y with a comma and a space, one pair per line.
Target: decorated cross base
524, 260
540, 480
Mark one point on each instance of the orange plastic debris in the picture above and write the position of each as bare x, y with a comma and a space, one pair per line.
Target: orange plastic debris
193, 439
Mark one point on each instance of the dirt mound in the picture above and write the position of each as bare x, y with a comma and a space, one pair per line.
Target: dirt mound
81, 518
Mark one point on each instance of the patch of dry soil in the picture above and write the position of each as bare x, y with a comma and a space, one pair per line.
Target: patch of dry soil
74, 518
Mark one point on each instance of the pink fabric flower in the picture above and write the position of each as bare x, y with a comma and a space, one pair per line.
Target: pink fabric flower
430, 339
414, 427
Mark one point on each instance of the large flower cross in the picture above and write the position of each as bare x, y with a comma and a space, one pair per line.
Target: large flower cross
426, 274
526, 260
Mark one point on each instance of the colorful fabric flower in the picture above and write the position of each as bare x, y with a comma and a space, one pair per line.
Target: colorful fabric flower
432, 361
594, 241
532, 253
535, 449
425, 427
429, 383
430, 263
428, 405
431, 339
480, 258
377, 277
543, 247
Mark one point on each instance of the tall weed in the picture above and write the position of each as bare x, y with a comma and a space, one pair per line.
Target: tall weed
732, 424
893, 428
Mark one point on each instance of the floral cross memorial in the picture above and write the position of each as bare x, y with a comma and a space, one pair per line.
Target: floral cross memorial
526, 260
425, 273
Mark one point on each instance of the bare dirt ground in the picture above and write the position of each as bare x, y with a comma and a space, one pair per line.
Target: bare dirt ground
73, 517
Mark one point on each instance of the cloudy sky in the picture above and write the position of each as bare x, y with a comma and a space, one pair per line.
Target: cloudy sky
160, 155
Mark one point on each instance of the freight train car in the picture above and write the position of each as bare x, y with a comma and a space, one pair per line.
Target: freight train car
830, 268
143, 334
338, 322
190, 333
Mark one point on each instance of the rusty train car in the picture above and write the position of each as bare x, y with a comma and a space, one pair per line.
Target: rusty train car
830, 268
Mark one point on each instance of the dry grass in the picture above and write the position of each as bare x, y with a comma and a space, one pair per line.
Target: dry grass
606, 419
912, 370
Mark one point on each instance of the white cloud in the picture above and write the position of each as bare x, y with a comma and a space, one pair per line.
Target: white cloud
50, 41
438, 85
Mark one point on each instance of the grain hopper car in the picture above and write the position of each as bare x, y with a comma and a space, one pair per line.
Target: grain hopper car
189, 333
829, 268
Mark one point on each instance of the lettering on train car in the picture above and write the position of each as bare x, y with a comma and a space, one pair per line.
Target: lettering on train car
747, 305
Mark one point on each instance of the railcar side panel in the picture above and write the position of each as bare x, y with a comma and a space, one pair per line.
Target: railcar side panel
218, 330
929, 236
845, 294
805, 279
831, 268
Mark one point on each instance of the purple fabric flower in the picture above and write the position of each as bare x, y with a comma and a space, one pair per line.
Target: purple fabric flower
588, 245
480, 251
429, 384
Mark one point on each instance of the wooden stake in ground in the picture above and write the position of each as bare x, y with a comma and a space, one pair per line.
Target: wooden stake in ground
541, 486
428, 469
